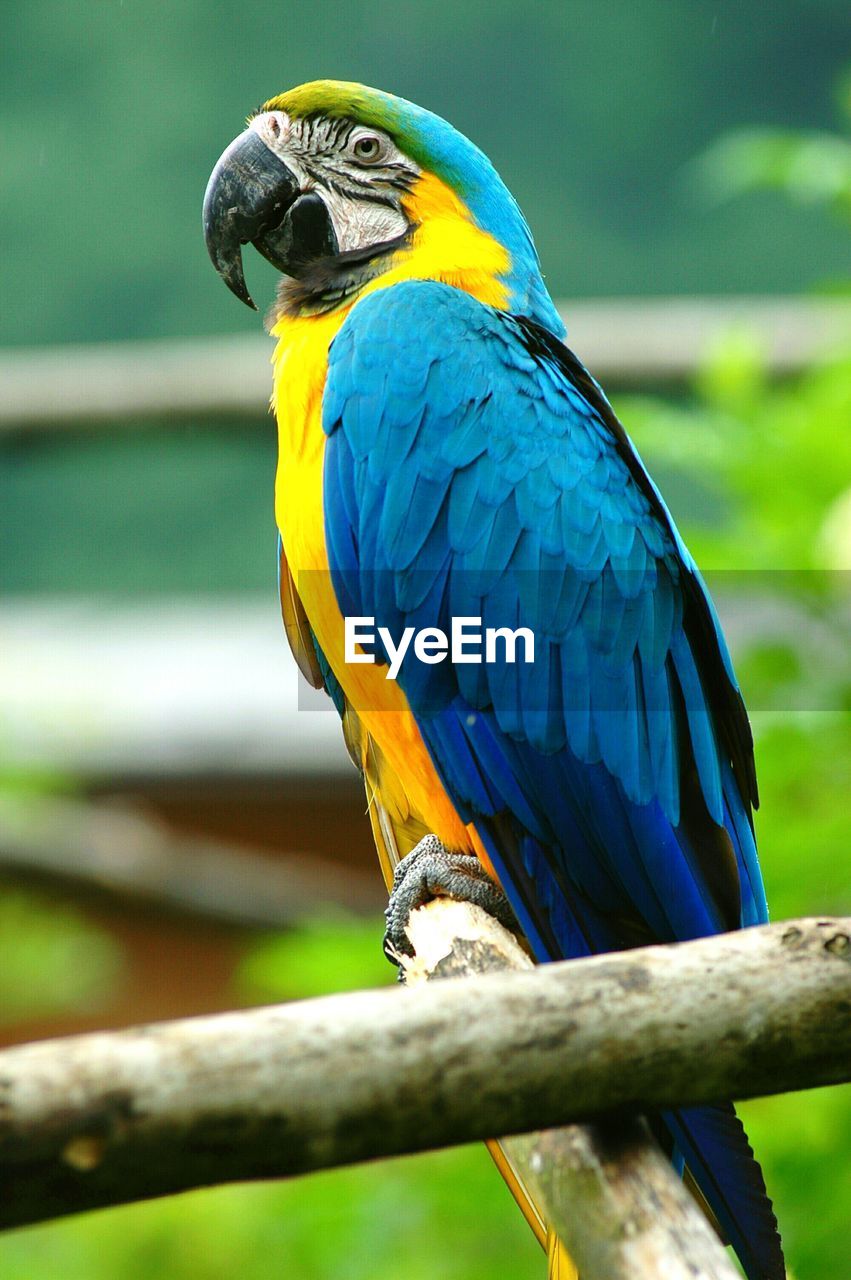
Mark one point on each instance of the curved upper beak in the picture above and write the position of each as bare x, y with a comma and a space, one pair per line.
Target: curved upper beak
248, 195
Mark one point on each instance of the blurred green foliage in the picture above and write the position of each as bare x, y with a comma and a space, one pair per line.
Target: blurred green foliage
803, 823
445, 1216
170, 510
53, 959
811, 167
317, 956
113, 114
771, 459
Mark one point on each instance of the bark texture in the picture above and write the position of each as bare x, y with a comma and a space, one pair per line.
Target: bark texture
605, 1188
114, 1117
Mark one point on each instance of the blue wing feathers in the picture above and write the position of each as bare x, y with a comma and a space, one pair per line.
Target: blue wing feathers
474, 468
704, 742
592, 569
717, 1152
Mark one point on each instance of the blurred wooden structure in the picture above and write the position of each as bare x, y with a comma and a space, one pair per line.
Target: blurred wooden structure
632, 342
181, 874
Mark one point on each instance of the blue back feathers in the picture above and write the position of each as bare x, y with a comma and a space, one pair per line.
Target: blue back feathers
491, 479
474, 468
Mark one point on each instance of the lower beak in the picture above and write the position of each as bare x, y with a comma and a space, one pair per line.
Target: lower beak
252, 197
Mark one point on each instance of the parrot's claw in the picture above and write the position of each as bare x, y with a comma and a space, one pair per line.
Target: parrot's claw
432, 871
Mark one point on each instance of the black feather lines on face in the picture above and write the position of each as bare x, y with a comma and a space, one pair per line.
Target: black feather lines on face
319, 144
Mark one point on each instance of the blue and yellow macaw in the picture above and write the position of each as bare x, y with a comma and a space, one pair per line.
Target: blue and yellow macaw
444, 456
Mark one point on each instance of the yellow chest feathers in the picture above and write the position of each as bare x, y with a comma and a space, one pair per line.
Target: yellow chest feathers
446, 245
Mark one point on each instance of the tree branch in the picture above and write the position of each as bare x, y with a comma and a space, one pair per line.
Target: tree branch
109, 1118
606, 1188
627, 341
124, 854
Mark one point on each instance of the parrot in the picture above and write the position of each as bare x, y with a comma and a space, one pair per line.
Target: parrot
446, 462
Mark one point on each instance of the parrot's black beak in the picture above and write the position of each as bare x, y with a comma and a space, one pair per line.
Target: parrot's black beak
252, 197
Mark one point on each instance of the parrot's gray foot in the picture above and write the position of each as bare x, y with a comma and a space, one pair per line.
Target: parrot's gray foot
431, 871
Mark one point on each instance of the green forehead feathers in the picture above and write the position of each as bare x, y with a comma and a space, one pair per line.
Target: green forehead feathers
342, 99
337, 99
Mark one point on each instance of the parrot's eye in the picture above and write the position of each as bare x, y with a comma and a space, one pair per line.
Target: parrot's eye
367, 148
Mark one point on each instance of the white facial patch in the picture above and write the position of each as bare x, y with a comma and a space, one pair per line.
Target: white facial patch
358, 224
276, 129
363, 201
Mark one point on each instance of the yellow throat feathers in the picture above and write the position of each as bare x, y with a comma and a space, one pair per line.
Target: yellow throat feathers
446, 245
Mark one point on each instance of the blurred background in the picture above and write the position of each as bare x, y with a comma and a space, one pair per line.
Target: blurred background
180, 830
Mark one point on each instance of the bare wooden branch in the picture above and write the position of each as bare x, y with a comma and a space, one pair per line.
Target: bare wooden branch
108, 1118
624, 341
606, 1188
616, 1203
120, 852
